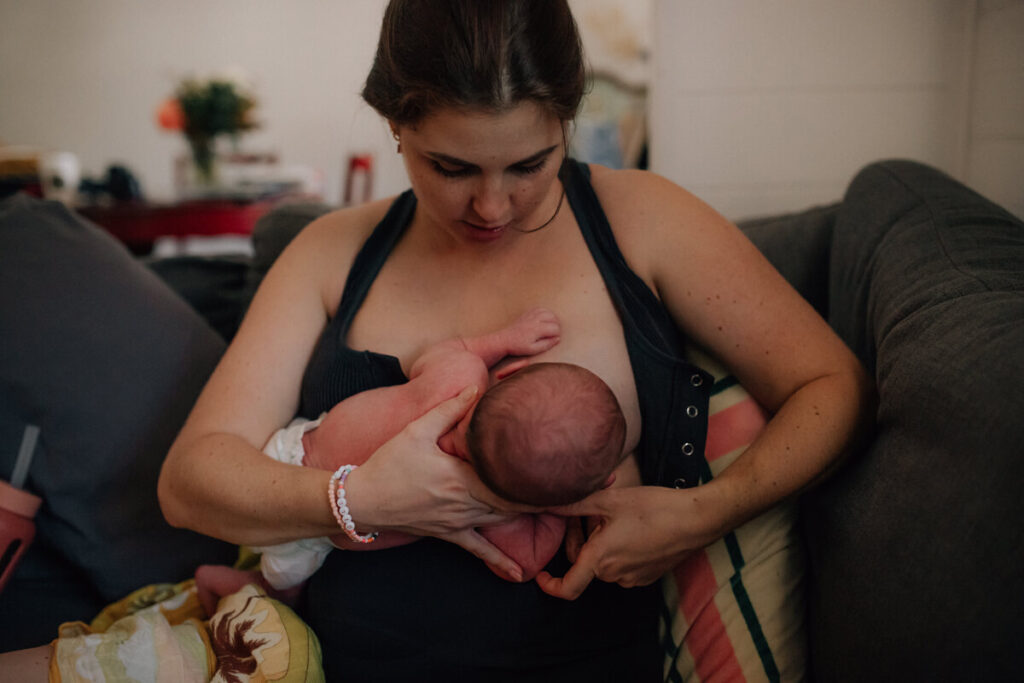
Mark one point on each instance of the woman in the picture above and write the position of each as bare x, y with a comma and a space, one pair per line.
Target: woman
479, 97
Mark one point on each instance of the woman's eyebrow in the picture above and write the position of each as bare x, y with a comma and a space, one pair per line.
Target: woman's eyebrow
455, 161
536, 157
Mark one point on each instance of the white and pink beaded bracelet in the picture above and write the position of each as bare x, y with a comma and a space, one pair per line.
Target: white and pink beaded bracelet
339, 506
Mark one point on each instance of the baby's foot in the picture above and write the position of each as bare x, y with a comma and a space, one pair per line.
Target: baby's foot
533, 332
530, 540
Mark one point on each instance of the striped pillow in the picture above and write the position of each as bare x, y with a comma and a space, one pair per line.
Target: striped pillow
735, 611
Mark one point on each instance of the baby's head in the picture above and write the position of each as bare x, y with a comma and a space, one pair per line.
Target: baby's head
549, 434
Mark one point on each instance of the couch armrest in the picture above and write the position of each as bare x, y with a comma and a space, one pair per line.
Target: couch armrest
798, 246
915, 546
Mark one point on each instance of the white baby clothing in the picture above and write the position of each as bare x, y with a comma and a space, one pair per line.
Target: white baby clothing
288, 564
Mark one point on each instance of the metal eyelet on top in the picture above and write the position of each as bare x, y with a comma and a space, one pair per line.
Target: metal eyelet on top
696, 380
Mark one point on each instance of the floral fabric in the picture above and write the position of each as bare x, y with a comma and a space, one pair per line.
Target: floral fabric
159, 633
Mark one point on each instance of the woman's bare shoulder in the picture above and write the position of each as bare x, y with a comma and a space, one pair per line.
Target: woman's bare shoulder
638, 197
647, 213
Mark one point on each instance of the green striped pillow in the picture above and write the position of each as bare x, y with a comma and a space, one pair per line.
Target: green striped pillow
734, 611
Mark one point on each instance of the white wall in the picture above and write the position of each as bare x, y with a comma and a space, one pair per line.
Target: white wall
756, 105
994, 163
86, 77
761, 106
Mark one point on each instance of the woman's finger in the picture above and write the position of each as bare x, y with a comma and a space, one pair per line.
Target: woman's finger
594, 504
488, 552
575, 581
441, 418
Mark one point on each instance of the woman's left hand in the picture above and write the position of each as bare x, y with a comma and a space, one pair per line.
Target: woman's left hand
639, 533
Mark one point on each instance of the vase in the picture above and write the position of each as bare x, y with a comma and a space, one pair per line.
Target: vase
203, 159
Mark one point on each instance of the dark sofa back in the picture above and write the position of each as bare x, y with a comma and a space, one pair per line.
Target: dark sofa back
107, 362
915, 546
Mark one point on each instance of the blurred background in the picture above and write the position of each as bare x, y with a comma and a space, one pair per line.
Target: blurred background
757, 106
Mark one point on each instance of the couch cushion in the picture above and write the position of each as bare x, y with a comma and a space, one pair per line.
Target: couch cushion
107, 361
275, 229
797, 245
915, 546
217, 288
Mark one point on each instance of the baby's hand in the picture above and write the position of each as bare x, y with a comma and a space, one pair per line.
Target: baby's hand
533, 332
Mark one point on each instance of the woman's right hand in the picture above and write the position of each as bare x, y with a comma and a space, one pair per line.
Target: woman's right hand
411, 485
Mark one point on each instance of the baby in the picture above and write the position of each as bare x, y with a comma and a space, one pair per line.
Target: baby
543, 434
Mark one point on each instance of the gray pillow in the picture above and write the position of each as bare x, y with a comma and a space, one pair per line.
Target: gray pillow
916, 546
276, 228
797, 244
107, 361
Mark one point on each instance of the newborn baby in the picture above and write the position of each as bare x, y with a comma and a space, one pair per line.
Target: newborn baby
542, 434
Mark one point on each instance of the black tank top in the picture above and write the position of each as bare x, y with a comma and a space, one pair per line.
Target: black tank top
430, 610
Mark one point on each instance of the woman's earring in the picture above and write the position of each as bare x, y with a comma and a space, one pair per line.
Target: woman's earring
398, 147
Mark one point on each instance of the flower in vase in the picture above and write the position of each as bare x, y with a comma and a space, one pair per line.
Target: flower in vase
204, 109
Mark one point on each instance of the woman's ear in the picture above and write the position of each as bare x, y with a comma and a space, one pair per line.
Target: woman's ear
398, 138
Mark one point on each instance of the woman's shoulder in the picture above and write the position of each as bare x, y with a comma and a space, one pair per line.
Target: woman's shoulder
648, 212
635, 193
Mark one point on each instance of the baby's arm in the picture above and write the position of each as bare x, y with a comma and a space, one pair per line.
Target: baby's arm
533, 332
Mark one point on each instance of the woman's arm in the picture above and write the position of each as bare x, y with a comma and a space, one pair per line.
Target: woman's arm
728, 299
216, 480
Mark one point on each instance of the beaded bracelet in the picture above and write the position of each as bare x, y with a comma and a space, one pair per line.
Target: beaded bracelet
339, 506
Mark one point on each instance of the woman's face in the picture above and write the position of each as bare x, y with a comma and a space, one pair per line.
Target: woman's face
479, 176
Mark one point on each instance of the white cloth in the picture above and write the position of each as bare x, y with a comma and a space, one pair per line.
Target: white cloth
288, 564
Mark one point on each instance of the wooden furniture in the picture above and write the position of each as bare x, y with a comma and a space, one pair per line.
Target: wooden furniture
139, 224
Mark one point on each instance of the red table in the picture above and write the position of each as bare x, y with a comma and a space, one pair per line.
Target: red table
139, 224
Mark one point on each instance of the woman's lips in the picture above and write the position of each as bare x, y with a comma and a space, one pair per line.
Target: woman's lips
488, 228
486, 231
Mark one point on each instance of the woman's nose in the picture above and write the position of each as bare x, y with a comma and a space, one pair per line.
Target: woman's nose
491, 201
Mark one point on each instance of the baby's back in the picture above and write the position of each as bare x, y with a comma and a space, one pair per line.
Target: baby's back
356, 427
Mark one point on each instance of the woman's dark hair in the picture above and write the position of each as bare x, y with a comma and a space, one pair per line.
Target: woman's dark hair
484, 54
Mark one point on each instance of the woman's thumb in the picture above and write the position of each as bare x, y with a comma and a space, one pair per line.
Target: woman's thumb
443, 416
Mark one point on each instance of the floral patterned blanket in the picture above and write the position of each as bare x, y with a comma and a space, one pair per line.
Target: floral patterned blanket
161, 633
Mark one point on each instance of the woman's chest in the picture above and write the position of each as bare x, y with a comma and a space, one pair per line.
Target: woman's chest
409, 308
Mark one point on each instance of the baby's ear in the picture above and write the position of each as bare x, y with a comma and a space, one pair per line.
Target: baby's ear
609, 481
510, 368
447, 443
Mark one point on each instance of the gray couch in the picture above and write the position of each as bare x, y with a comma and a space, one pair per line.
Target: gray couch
915, 545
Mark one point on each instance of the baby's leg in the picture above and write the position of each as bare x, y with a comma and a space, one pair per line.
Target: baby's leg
27, 665
214, 582
531, 540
